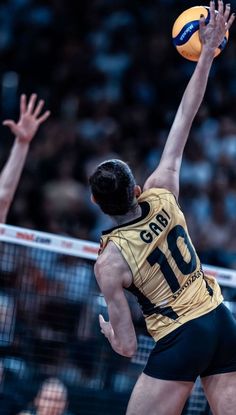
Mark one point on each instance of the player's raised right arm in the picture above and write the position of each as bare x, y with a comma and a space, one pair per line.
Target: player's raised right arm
167, 173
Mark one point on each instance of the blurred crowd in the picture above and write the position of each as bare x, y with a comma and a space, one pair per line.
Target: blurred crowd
113, 81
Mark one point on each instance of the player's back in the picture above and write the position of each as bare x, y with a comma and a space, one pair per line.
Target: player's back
167, 276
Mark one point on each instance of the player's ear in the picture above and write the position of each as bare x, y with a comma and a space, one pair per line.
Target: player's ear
137, 190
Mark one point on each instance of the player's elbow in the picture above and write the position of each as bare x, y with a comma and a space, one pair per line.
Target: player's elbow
5, 197
129, 353
130, 349
5, 203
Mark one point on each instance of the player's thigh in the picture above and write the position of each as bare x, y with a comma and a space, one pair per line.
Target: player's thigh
158, 397
220, 391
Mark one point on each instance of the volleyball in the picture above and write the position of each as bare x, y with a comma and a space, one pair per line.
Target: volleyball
185, 33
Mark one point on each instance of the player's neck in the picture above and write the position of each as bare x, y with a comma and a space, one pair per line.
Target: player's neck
134, 213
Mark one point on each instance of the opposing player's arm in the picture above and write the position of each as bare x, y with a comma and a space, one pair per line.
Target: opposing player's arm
167, 173
24, 131
113, 275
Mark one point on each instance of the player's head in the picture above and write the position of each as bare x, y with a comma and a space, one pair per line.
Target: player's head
113, 187
51, 398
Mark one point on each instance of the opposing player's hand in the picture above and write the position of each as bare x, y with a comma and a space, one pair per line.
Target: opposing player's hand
212, 34
106, 328
31, 117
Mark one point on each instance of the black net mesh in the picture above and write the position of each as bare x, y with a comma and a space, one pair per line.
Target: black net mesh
53, 355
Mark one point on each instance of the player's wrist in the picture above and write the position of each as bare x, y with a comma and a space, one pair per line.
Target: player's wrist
23, 142
207, 53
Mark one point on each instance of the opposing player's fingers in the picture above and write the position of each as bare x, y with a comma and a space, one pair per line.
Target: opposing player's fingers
12, 125
212, 12
23, 104
230, 21
227, 12
44, 117
8, 123
220, 7
38, 108
31, 103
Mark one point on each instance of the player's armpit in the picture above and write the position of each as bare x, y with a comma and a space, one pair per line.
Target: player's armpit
164, 177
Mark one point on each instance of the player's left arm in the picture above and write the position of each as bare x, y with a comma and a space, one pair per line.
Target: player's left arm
119, 330
31, 118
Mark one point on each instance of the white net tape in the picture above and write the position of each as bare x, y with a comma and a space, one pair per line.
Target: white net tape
86, 249
48, 242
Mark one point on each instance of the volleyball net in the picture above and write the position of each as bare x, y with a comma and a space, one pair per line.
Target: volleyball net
49, 331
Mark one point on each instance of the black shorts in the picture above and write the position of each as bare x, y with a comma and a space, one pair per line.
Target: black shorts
202, 347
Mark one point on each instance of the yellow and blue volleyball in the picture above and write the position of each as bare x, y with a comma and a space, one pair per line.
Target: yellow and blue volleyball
185, 33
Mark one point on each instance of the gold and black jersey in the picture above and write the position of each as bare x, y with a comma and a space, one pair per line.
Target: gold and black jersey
168, 279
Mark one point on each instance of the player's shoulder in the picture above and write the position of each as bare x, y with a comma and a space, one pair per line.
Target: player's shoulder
110, 255
154, 193
112, 263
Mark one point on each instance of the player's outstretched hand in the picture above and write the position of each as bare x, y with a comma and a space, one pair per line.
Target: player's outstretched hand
31, 117
212, 34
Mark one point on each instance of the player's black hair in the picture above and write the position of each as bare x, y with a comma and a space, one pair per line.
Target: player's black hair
112, 185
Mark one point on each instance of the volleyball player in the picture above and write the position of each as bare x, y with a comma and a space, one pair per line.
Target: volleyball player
149, 252
24, 130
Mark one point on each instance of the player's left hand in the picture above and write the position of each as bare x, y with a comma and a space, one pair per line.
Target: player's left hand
106, 328
30, 119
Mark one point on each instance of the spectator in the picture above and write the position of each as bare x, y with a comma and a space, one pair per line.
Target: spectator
51, 399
